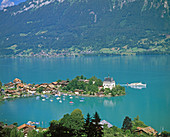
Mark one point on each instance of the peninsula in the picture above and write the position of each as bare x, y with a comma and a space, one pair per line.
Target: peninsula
80, 85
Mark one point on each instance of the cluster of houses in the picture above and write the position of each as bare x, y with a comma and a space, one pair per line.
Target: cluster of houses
17, 88
25, 128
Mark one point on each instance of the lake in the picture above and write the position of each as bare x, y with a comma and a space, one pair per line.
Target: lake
151, 104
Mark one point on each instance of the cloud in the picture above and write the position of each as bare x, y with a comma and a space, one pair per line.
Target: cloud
6, 3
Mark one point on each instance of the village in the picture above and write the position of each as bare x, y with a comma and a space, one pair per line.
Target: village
98, 88
88, 87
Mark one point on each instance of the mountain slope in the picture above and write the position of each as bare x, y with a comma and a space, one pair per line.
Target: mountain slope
94, 24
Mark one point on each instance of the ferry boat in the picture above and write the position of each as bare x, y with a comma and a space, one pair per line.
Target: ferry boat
137, 84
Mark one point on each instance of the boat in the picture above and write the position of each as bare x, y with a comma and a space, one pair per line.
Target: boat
58, 98
71, 102
81, 100
37, 98
43, 99
64, 99
51, 100
137, 84
71, 97
60, 101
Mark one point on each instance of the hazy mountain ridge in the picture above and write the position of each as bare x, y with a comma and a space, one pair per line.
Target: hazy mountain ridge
57, 24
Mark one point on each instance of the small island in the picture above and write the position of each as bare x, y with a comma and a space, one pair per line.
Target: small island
80, 86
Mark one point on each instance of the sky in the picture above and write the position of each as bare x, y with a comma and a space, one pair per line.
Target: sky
7, 3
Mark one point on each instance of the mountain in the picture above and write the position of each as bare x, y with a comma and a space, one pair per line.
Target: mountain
104, 26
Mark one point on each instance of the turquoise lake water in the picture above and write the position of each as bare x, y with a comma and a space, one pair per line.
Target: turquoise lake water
151, 104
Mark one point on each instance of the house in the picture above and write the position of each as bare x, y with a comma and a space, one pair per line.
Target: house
147, 130
63, 83
100, 94
78, 91
26, 128
9, 126
10, 84
51, 85
104, 122
100, 88
109, 83
44, 85
20, 85
16, 81
84, 80
55, 83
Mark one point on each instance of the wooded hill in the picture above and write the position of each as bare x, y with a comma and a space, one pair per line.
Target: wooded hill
139, 26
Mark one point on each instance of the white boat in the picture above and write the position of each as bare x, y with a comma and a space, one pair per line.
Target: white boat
81, 100
71, 97
60, 101
51, 100
137, 84
43, 99
56, 95
58, 98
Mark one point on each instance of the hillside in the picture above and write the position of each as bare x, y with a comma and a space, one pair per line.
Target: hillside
96, 26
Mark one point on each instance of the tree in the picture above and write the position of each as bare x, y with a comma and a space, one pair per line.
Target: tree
87, 126
20, 134
59, 80
127, 124
15, 86
5, 132
137, 123
14, 132
77, 121
97, 127
40, 89
16, 124
81, 77
32, 133
165, 134
57, 129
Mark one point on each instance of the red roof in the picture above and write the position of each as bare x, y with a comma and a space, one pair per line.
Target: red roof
24, 125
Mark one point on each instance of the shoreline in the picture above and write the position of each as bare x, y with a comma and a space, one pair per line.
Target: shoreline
87, 55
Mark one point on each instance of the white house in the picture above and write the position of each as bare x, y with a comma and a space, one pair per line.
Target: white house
109, 83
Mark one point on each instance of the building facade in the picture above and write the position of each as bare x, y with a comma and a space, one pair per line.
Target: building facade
109, 83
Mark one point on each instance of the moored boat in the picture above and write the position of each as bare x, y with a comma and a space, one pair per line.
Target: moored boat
71, 102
